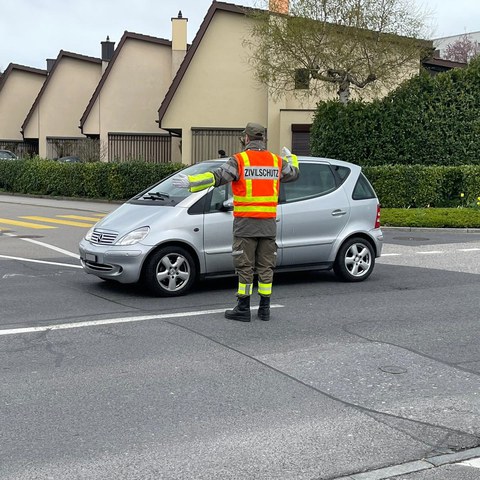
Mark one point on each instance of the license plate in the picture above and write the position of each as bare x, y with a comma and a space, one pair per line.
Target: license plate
90, 257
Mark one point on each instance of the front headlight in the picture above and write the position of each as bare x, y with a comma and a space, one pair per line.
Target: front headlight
88, 236
134, 237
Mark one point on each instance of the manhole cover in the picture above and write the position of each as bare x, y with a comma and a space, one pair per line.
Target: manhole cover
414, 239
393, 369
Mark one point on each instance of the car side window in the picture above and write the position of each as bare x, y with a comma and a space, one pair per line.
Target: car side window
363, 189
219, 195
314, 180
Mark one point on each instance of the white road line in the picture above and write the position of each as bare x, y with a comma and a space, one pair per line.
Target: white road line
46, 245
110, 321
474, 462
469, 249
391, 254
40, 261
431, 252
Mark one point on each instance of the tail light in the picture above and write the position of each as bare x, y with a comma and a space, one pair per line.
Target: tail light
377, 220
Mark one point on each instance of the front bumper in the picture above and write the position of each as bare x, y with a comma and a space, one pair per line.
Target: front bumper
110, 262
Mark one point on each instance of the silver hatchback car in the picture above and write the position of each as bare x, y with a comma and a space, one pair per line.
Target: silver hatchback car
169, 238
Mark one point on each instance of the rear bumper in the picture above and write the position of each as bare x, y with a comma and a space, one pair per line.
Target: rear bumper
377, 237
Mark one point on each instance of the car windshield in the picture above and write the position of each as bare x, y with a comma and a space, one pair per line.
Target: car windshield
165, 194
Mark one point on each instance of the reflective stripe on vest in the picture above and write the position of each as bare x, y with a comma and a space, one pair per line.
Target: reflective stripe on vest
255, 193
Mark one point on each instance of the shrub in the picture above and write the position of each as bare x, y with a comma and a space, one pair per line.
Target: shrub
113, 181
427, 121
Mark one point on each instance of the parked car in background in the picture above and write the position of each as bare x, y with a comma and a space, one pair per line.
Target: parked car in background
7, 155
168, 237
70, 159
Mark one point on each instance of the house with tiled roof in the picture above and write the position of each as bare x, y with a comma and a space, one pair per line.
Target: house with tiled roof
19, 86
122, 112
215, 94
54, 116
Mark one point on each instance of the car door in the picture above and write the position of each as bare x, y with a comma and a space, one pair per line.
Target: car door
217, 231
313, 212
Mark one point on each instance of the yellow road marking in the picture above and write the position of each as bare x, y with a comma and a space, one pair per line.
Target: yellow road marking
6, 221
61, 222
78, 217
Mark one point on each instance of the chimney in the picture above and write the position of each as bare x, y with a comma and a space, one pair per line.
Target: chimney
108, 48
179, 41
50, 63
279, 6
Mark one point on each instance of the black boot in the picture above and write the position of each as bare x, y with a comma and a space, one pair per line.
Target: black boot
264, 309
241, 312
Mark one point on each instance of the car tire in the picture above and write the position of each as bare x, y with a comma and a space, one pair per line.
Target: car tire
355, 260
170, 272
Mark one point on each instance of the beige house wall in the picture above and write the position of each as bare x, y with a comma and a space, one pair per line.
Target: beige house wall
63, 102
128, 101
16, 99
218, 89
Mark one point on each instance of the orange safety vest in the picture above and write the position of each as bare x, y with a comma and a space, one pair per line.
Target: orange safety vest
255, 193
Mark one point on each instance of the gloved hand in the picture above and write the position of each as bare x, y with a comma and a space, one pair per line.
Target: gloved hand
290, 157
286, 153
181, 181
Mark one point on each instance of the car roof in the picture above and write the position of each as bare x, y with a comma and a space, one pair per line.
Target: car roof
304, 158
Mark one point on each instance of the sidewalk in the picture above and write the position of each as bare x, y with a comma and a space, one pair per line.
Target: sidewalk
100, 206
468, 458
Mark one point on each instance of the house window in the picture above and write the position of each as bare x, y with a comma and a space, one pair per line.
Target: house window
301, 139
302, 79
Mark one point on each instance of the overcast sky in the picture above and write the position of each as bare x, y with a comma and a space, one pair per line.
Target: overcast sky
34, 30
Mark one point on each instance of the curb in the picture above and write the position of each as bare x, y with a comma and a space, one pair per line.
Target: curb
415, 466
426, 230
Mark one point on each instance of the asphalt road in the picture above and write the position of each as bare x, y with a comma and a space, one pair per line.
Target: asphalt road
102, 381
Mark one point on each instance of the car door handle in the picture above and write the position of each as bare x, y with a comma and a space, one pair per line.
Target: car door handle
338, 213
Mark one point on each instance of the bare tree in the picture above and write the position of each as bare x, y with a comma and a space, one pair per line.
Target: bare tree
342, 43
462, 50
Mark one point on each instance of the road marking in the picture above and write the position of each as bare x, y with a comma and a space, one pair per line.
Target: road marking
8, 257
469, 249
61, 222
431, 252
24, 224
391, 254
78, 217
474, 462
111, 321
46, 245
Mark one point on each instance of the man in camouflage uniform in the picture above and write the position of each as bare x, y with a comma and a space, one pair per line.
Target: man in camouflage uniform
255, 174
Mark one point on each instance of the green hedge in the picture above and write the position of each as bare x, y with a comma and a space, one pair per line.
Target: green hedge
427, 121
397, 186
112, 181
416, 186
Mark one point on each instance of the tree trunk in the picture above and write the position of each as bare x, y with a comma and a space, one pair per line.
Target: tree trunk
344, 92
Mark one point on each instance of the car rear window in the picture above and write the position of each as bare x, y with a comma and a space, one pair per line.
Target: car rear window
363, 189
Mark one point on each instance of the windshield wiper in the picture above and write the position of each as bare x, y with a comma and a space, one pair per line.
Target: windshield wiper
156, 196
